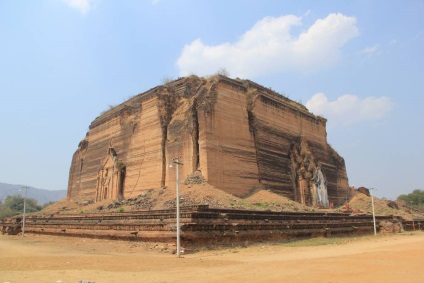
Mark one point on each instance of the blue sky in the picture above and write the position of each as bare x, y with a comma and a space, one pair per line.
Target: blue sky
358, 63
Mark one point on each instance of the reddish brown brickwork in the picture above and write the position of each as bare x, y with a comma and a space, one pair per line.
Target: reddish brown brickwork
240, 136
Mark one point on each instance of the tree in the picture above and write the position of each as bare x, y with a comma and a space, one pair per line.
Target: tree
14, 205
415, 199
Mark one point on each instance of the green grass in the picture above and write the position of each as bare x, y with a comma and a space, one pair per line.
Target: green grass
320, 241
262, 205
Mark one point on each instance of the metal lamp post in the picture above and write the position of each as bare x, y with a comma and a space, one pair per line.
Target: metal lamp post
177, 172
373, 213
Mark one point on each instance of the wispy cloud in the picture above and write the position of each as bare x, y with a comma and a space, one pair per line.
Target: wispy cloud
154, 2
370, 50
393, 41
270, 47
349, 109
83, 6
419, 34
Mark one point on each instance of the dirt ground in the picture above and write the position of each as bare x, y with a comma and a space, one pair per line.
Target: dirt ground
36, 258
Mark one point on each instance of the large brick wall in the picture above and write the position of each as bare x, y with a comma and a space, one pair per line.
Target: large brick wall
240, 136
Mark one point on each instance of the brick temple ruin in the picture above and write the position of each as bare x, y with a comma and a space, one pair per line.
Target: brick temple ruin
240, 136
234, 134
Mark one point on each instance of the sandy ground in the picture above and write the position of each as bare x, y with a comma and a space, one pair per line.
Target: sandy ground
34, 258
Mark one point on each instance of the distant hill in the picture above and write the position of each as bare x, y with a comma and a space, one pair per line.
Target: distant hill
41, 195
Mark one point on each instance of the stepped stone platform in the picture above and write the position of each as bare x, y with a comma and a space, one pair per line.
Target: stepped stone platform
202, 225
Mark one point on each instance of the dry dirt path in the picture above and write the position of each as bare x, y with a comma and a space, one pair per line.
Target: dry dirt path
398, 258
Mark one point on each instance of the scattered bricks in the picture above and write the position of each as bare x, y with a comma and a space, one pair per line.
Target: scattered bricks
392, 204
386, 226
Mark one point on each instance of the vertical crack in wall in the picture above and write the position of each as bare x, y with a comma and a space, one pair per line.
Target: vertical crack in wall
195, 136
294, 155
163, 148
252, 95
167, 103
252, 129
209, 99
128, 118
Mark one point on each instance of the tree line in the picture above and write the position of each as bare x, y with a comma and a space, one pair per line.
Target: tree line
14, 205
414, 199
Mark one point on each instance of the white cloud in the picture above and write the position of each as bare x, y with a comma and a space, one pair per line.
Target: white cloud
154, 2
270, 47
349, 109
83, 6
370, 50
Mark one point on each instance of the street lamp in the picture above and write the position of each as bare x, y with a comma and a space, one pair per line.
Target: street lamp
23, 217
177, 172
373, 213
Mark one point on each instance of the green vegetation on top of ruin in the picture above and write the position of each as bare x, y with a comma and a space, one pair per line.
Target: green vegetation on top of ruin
168, 81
